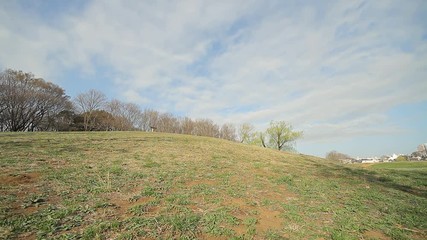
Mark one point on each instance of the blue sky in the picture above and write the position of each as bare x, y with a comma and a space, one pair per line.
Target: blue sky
351, 74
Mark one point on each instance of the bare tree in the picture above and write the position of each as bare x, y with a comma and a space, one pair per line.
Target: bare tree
206, 127
114, 107
102, 121
87, 103
133, 114
149, 119
127, 116
228, 132
337, 156
168, 123
28, 103
4, 93
187, 126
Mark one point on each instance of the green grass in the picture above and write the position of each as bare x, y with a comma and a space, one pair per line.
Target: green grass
134, 185
401, 165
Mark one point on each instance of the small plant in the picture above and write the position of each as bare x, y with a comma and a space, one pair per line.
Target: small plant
185, 225
144, 208
285, 180
150, 191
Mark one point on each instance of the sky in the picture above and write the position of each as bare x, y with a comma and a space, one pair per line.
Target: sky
352, 75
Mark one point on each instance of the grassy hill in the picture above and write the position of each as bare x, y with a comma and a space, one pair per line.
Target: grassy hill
133, 185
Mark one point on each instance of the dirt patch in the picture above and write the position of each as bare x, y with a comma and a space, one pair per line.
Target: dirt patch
208, 237
28, 207
240, 229
280, 194
419, 236
122, 204
268, 220
19, 179
28, 236
31, 209
240, 203
373, 234
200, 182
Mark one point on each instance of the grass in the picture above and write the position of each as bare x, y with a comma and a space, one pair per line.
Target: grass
133, 185
401, 166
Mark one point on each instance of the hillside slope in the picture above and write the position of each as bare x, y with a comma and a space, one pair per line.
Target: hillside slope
134, 185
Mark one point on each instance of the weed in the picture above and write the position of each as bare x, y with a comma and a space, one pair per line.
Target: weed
144, 208
150, 191
214, 222
285, 180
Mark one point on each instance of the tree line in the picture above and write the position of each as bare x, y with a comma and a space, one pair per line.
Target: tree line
28, 103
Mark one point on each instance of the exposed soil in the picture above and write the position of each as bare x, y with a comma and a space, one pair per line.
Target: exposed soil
280, 194
123, 204
31, 209
373, 234
27, 236
200, 182
19, 179
207, 237
267, 219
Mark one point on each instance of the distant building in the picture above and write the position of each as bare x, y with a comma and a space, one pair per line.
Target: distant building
346, 160
366, 160
421, 153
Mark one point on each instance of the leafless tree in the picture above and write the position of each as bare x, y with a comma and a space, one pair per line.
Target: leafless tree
28, 103
87, 103
102, 121
187, 126
336, 156
149, 119
127, 116
228, 132
168, 123
206, 127
133, 114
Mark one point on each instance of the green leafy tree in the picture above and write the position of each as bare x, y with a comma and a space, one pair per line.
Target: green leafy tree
246, 133
257, 138
281, 135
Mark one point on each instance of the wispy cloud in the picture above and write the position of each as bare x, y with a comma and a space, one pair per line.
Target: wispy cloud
332, 68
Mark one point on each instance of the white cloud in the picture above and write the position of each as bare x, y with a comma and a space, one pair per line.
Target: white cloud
334, 66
